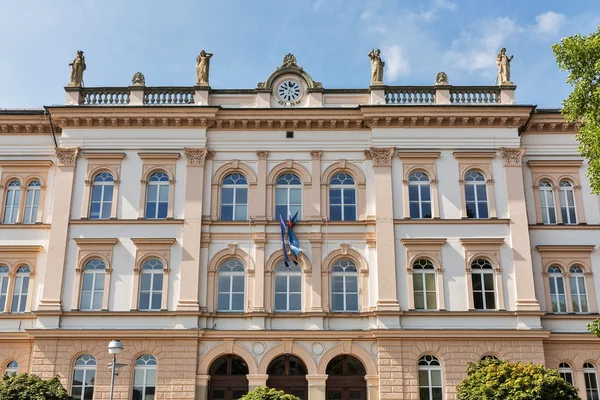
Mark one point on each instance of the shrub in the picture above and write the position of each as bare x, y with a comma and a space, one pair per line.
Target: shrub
265, 393
31, 387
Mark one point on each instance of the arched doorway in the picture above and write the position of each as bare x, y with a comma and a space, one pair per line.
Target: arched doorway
346, 379
228, 379
288, 373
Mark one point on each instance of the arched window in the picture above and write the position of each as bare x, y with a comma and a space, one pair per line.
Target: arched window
476, 195
228, 378
157, 197
231, 286
151, 285
234, 198
288, 288
489, 357
557, 289
102, 194
567, 202
591, 381
92, 288
20, 290
32, 200
11, 204
566, 372
578, 292
3, 287
430, 379
424, 287
419, 195
344, 286
346, 379
547, 202
484, 294
84, 376
288, 196
144, 378
342, 198
288, 373
12, 368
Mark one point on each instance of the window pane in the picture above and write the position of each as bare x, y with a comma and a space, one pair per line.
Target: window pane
280, 284
295, 196
425, 193
488, 281
241, 196
144, 301
296, 209
436, 378
223, 302
88, 280
417, 282
337, 284
423, 378
223, 284
150, 210
280, 302
106, 210
227, 196
163, 208
431, 301
335, 213
335, 196
351, 284
490, 301
226, 213
85, 300
280, 196
76, 390
337, 302
97, 303
95, 210
152, 190
281, 210
156, 300
157, 282
163, 193
96, 192
150, 377
89, 377
481, 192
295, 302
424, 394
426, 209
352, 302
238, 283
415, 212
471, 213
108, 192
295, 284
349, 197
419, 301
413, 193
478, 301
430, 281
350, 213
237, 302
483, 211
240, 213
99, 283
469, 193
145, 283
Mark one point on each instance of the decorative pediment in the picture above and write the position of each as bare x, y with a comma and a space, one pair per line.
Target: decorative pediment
289, 66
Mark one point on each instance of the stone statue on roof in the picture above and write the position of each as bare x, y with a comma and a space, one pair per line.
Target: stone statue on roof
202, 68
503, 63
77, 68
138, 79
376, 67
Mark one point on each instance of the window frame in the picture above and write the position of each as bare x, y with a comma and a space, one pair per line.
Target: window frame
160, 185
10, 368
421, 186
553, 278
580, 283
288, 188
563, 195
345, 293
235, 187
544, 207
104, 201
13, 192
96, 164
96, 274
298, 274
564, 369
147, 269
475, 184
147, 248
231, 293
23, 293
85, 368
480, 162
144, 368
343, 187
25, 171
482, 271
489, 249
5, 280
420, 271
424, 162
430, 368
89, 249
589, 371
155, 162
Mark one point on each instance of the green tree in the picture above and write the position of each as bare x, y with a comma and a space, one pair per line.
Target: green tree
580, 57
594, 327
265, 393
31, 387
492, 379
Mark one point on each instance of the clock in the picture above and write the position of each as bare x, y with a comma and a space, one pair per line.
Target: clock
289, 91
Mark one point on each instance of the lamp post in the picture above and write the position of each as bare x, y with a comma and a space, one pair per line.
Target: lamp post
114, 347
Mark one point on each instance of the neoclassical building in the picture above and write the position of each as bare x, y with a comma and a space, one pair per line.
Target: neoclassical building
439, 224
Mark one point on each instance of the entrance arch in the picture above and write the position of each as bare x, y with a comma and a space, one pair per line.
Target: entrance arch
288, 373
228, 379
346, 379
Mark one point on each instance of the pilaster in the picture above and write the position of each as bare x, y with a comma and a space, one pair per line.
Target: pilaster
519, 229
202, 387
387, 299
256, 380
192, 230
316, 386
57, 243
260, 240
315, 166
261, 187
316, 243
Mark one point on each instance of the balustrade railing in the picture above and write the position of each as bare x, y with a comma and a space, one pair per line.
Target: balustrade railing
169, 95
105, 96
409, 95
474, 95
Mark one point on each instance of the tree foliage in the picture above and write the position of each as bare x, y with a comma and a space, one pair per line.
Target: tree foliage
492, 379
580, 57
265, 393
594, 327
31, 387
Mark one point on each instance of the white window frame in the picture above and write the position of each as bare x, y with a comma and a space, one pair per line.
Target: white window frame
288, 187
421, 186
578, 297
12, 202
4, 285
564, 188
12, 368
547, 203
281, 270
104, 201
476, 200
343, 187
345, 269
421, 268
589, 373
97, 274
430, 364
235, 187
477, 272
149, 269
226, 272
160, 186
32, 202
143, 364
566, 372
86, 365
555, 274
20, 290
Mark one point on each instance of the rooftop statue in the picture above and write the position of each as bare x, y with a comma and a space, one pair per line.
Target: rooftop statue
503, 63
138, 79
376, 67
202, 68
441, 79
77, 68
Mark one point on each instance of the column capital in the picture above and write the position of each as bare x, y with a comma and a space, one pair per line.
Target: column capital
315, 154
66, 157
195, 156
372, 380
316, 379
257, 379
512, 156
381, 156
262, 155
202, 380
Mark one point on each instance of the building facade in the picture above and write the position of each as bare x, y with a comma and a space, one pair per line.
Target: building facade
440, 225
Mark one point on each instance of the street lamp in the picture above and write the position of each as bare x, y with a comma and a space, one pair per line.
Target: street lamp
114, 347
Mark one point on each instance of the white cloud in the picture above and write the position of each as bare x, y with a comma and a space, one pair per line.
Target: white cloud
435, 7
396, 63
549, 22
318, 4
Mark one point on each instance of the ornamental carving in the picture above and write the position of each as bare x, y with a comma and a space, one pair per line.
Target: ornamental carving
138, 79
512, 156
66, 157
315, 154
262, 155
441, 79
195, 156
382, 156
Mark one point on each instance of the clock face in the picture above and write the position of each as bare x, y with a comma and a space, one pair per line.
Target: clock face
289, 91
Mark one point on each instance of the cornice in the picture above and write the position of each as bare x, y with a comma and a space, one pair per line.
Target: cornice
480, 241
26, 125
159, 156
26, 163
418, 155
126, 222
474, 154
24, 226
88, 241
458, 334
555, 163
423, 241
20, 249
147, 241
564, 227
103, 156
582, 338
160, 334
565, 248
550, 124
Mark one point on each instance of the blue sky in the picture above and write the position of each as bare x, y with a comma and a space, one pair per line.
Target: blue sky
330, 38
